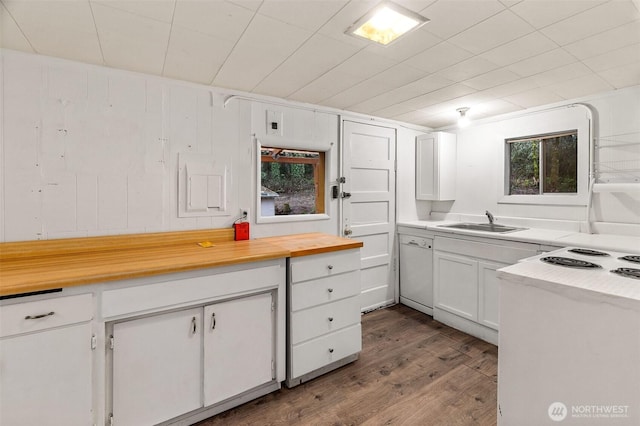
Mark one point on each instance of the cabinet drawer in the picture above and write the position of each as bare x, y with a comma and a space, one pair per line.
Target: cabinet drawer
324, 290
323, 319
508, 252
324, 350
324, 265
43, 314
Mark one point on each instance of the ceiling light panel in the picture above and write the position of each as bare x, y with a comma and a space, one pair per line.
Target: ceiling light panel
386, 23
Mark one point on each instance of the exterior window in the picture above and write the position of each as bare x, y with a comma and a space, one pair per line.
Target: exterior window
543, 164
291, 182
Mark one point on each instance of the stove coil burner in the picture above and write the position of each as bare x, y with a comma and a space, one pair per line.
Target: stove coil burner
631, 258
569, 262
588, 252
628, 272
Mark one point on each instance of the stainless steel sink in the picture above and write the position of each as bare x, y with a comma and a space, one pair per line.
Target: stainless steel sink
486, 227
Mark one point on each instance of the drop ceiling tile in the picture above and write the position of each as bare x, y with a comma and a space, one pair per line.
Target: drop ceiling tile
625, 76
533, 98
417, 117
415, 5
592, 21
425, 85
423, 102
491, 79
467, 69
494, 107
61, 29
130, 41
439, 120
541, 13
393, 111
397, 76
525, 47
495, 31
315, 57
10, 35
449, 18
615, 58
194, 56
325, 87
160, 10
357, 94
517, 86
253, 5
510, 3
308, 14
220, 19
263, 47
438, 57
579, 87
560, 74
365, 64
543, 62
606, 41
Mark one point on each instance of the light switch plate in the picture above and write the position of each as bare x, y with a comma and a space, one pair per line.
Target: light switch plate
274, 123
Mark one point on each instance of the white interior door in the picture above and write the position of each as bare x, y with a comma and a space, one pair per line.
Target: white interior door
368, 214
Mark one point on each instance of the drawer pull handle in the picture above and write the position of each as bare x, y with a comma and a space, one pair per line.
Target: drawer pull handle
213, 321
330, 350
330, 290
194, 327
330, 267
28, 317
330, 319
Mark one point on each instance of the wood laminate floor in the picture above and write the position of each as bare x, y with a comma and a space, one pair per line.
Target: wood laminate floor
412, 371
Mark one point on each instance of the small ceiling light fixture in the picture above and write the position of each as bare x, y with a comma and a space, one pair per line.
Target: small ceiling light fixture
386, 23
463, 120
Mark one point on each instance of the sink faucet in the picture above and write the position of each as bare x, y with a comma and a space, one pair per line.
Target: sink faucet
490, 216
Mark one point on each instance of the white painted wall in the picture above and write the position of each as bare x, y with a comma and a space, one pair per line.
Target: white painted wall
88, 150
480, 163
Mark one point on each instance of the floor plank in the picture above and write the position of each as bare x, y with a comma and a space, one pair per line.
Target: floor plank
412, 371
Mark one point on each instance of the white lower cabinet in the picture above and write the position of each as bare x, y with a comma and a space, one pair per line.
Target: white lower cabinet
238, 346
169, 364
466, 289
46, 362
488, 294
156, 367
323, 319
460, 293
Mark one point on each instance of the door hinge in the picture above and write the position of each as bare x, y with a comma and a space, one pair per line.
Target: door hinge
94, 341
111, 342
273, 304
110, 420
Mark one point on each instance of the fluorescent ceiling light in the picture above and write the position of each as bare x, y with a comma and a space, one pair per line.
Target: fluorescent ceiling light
386, 23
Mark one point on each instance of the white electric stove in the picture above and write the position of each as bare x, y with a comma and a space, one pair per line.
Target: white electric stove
569, 343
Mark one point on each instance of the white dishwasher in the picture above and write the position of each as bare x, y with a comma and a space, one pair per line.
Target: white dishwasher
416, 273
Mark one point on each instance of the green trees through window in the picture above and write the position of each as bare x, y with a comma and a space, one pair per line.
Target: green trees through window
544, 164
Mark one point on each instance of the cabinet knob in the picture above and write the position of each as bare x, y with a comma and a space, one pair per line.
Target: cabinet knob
330, 319
330, 350
330, 267
330, 290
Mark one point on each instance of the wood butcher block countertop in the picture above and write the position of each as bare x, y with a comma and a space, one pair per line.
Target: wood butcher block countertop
33, 266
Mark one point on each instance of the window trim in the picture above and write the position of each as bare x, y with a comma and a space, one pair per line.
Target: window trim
322, 185
543, 123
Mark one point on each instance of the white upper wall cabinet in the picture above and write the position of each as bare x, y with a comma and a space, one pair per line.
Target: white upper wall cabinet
436, 166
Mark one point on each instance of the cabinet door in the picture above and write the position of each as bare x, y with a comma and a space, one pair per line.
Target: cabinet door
238, 346
45, 378
157, 367
488, 287
456, 285
426, 167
